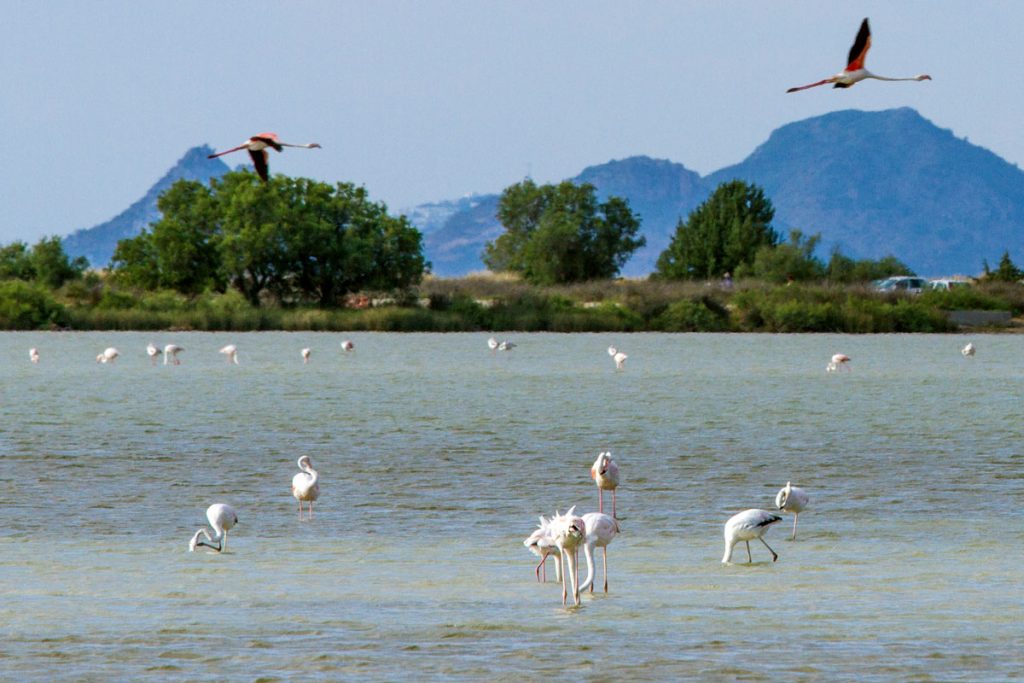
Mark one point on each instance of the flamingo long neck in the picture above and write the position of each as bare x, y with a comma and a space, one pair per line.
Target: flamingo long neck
314, 476
727, 558
588, 553
868, 74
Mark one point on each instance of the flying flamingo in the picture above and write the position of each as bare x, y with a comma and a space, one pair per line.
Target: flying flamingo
222, 517
792, 499
171, 352
305, 486
568, 530
257, 148
968, 350
231, 351
33, 354
305, 355
152, 351
746, 526
542, 543
600, 531
855, 71
838, 360
109, 355
346, 346
618, 356
605, 474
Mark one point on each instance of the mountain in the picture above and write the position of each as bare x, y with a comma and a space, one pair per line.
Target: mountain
872, 183
97, 243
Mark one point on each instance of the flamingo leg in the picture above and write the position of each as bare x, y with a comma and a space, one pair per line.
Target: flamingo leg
774, 556
795, 516
749, 558
576, 577
537, 570
224, 541
613, 505
310, 510
565, 594
604, 551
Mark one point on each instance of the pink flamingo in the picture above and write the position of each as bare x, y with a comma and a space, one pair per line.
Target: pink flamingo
605, 474
855, 71
838, 360
257, 148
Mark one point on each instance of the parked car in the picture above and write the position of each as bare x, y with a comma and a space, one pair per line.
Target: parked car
901, 283
946, 284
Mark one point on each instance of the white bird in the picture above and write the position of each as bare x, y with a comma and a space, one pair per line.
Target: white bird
222, 517
618, 356
855, 72
305, 355
171, 352
507, 345
492, 344
305, 486
109, 355
346, 345
257, 147
568, 530
600, 531
605, 474
838, 360
542, 544
152, 351
33, 354
968, 350
792, 499
231, 351
746, 526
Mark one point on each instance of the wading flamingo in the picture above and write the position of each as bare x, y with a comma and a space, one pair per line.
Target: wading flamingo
968, 350
231, 351
305, 486
347, 346
305, 355
600, 531
618, 356
568, 530
542, 544
109, 355
838, 360
33, 354
507, 345
152, 351
257, 147
855, 71
492, 344
605, 474
792, 499
222, 517
171, 352
746, 526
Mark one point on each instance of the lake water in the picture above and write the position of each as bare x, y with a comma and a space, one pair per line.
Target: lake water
436, 456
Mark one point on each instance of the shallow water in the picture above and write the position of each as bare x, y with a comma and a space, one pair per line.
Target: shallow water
436, 456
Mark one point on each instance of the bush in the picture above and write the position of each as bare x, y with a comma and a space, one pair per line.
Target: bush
703, 315
28, 307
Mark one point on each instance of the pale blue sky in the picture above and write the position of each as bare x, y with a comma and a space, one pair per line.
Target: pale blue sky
427, 100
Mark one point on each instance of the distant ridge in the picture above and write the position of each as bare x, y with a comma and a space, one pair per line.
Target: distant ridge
97, 243
872, 183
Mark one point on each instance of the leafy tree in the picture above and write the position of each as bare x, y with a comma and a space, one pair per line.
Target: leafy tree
721, 234
28, 306
792, 260
16, 262
50, 264
846, 270
561, 233
1006, 272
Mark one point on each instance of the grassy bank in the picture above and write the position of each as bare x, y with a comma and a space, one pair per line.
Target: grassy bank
490, 303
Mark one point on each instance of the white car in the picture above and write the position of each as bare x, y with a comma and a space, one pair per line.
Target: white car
946, 285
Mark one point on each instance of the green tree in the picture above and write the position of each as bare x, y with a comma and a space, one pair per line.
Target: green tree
727, 230
846, 270
50, 264
16, 262
789, 261
561, 233
1006, 272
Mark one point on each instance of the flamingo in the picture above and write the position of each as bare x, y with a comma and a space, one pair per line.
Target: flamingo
171, 352
838, 360
347, 346
305, 486
33, 354
618, 356
492, 344
855, 71
541, 543
257, 148
507, 345
152, 351
305, 355
600, 531
792, 499
968, 350
222, 517
568, 531
605, 474
746, 526
109, 355
231, 351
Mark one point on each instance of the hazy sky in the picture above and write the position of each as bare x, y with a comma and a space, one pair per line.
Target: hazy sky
427, 100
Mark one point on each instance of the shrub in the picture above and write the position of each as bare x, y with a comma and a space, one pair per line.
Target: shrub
28, 307
702, 315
